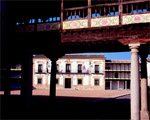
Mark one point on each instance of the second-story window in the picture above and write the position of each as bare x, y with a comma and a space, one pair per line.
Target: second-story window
40, 68
96, 68
68, 68
80, 68
116, 75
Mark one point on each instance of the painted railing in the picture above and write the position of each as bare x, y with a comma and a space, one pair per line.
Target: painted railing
121, 13
101, 15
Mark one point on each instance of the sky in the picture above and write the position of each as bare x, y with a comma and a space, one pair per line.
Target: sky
116, 55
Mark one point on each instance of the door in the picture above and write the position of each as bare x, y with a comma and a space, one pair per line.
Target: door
68, 83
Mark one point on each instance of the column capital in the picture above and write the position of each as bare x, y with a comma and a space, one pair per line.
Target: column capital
134, 46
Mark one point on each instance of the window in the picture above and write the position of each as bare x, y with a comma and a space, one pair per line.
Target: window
79, 68
107, 68
96, 82
96, 68
68, 68
39, 81
116, 75
40, 68
79, 81
107, 84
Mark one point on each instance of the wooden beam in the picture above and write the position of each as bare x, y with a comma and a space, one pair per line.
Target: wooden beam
61, 24
120, 11
89, 13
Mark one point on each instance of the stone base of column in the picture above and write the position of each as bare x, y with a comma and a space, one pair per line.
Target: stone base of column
144, 115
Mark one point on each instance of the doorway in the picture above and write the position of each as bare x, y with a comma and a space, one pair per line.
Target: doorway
68, 83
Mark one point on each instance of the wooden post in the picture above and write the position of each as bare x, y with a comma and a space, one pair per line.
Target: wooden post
144, 103
100, 11
53, 80
75, 14
132, 8
27, 75
95, 11
71, 14
89, 13
126, 8
61, 25
104, 11
109, 10
79, 13
120, 11
137, 7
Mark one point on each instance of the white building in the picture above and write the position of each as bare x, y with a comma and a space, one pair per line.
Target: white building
84, 72
73, 71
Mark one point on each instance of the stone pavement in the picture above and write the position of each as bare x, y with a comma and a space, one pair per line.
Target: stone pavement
91, 95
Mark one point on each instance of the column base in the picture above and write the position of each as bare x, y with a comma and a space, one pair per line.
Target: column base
144, 115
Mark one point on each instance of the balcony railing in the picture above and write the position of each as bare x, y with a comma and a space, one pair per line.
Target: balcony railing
113, 78
100, 15
105, 14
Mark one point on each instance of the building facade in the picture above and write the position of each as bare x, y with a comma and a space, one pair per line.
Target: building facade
117, 74
83, 72
73, 71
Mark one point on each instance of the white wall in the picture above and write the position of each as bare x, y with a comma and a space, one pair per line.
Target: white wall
101, 67
35, 80
74, 67
101, 80
62, 66
86, 80
61, 81
92, 81
49, 79
74, 80
44, 79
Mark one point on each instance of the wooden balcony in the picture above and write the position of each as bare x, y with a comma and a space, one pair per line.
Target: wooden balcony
111, 24
103, 15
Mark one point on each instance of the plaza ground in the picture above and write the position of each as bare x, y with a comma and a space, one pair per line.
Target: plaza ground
91, 95
70, 104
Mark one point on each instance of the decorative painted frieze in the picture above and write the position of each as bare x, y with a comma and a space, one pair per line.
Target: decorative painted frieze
48, 26
105, 21
75, 24
138, 18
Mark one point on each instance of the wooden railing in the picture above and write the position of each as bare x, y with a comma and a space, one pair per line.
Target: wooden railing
118, 9
123, 7
75, 13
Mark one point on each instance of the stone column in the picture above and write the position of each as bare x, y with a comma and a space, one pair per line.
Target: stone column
144, 104
27, 75
135, 83
118, 84
110, 85
125, 84
53, 80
